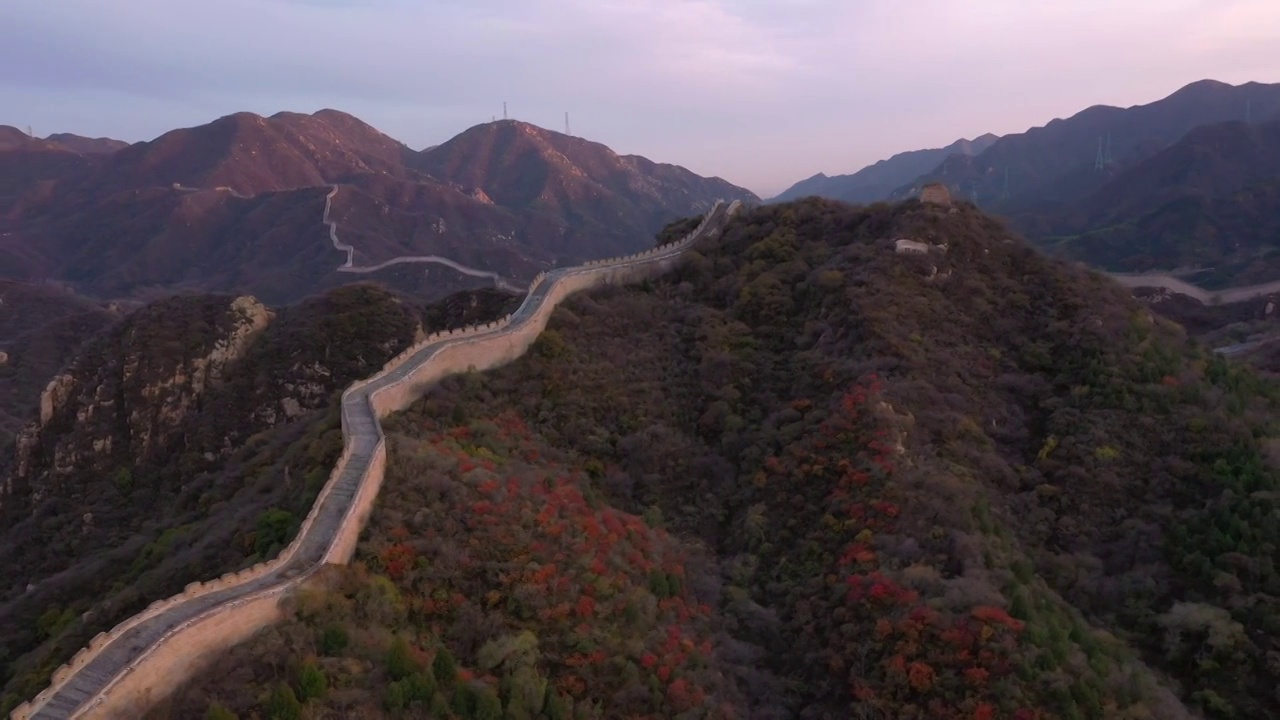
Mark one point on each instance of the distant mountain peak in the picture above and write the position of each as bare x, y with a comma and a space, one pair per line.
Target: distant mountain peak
521, 165
1054, 164
1205, 84
878, 180
505, 197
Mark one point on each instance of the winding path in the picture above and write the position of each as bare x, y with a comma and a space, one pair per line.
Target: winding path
349, 267
86, 686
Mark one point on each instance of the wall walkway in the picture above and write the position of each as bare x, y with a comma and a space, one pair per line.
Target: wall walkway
124, 671
1182, 287
348, 267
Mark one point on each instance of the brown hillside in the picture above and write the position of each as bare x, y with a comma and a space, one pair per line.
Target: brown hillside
26, 161
246, 216
251, 154
87, 145
520, 165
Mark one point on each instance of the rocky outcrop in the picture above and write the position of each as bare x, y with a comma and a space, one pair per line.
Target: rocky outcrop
166, 401
136, 386
54, 396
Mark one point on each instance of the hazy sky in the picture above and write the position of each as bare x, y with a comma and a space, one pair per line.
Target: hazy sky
760, 92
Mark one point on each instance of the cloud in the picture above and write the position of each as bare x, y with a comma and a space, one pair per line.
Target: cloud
759, 91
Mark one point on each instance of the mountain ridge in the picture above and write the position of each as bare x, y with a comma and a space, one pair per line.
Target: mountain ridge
1053, 163
235, 205
876, 181
1210, 201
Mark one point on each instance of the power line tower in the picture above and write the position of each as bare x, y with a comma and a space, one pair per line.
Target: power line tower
566, 123
504, 109
1104, 157
1005, 194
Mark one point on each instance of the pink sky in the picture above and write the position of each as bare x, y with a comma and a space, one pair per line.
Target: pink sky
760, 92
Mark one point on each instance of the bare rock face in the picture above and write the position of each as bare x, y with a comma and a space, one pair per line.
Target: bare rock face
133, 388
54, 396
167, 401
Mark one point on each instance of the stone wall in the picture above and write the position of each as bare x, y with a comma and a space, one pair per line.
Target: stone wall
176, 656
166, 664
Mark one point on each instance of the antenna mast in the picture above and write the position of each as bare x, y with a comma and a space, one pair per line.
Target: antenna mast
1104, 157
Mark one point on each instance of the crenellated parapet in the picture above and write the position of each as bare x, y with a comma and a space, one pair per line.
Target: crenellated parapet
109, 678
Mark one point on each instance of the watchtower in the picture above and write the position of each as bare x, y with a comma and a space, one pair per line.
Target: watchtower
936, 193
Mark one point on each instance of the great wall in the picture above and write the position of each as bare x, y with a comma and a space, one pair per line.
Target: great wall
1182, 287
125, 670
349, 267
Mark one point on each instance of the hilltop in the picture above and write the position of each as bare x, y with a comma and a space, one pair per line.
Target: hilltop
877, 181
250, 154
25, 162
807, 475
1054, 164
87, 145
11, 138
521, 165
236, 206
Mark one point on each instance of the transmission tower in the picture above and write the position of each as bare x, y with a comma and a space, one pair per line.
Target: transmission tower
504, 109
566, 123
1104, 157
1006, 184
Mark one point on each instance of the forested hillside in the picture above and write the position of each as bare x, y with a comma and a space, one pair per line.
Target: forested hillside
184, 441
807, 476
